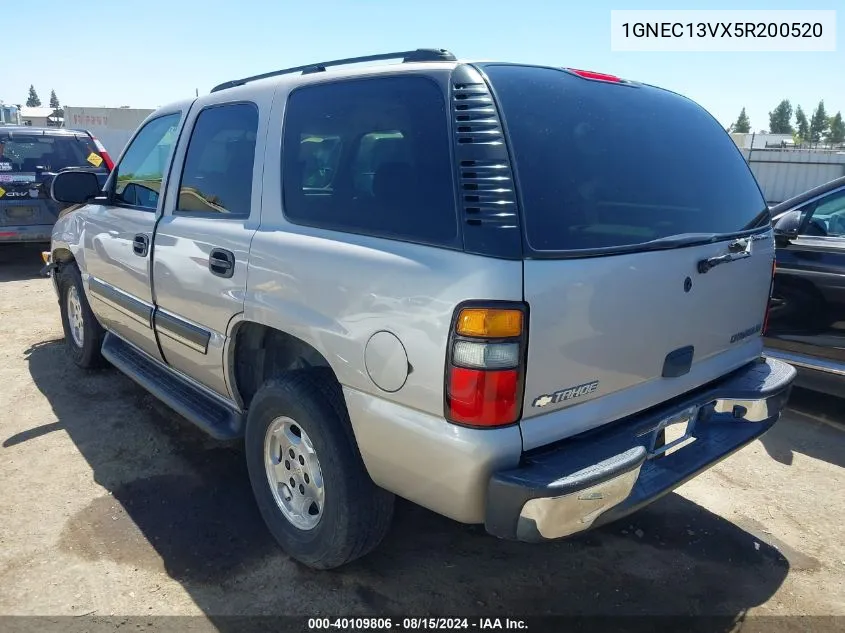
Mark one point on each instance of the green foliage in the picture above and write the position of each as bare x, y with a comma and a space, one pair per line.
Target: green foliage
779, 118
818, 123
743, 123
837, 129
802, 125
54, 100
32, 100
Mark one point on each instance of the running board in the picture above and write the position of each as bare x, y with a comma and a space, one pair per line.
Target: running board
221, 421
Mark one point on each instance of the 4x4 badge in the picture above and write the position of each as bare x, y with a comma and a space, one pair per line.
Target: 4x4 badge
565, 394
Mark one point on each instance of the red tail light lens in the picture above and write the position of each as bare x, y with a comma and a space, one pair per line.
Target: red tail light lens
589, 74
483, 398
769, 302
103, 153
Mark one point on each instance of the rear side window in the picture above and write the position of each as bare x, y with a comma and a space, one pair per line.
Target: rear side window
371, 156
217, 176
603, 165
33, 153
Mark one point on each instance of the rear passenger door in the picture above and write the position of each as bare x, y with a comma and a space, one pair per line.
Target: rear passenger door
202, 241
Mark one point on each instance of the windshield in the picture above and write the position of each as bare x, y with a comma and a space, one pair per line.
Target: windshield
29, 153
603, 165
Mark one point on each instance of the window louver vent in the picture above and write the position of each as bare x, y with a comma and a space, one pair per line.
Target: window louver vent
484, 173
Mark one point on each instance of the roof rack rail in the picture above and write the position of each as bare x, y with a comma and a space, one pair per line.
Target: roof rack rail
418, 55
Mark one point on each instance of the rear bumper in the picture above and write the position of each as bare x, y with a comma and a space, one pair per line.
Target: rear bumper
26, 233
605, 474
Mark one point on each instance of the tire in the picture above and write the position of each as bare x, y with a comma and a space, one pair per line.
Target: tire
355, 514
85, 353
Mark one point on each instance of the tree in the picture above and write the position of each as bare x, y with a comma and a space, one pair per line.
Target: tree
803, 126
818, 123
779, 118
54, 100
743, 124
837, 129
33, 101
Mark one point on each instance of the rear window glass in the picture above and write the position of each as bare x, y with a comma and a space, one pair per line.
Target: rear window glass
371, 156
24, 153
602, 165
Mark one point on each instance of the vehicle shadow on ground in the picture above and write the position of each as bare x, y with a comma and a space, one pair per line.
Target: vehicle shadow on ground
181, 503
807, 427
21, 261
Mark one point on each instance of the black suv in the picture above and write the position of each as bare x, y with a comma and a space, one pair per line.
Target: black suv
29, 159
807, 316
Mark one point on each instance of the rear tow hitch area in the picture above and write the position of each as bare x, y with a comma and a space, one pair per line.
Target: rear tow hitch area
606, 473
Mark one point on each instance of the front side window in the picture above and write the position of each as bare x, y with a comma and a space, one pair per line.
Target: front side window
217, 176
371, 156
140, 173
827, 218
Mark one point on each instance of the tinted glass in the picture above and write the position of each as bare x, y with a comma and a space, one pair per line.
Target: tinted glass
141, 169
371, 156
828, 217
217, 176
31, 153
603, 164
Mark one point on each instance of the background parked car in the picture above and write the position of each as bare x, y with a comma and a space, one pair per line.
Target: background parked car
807, 317
29, 159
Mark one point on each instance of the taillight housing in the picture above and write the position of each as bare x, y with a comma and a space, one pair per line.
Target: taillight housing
485, 364
103, 153
769, 302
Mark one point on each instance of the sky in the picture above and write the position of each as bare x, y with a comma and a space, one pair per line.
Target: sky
146, 53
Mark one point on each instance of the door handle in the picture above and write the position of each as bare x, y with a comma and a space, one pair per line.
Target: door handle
740, 249
141, 245
221, 262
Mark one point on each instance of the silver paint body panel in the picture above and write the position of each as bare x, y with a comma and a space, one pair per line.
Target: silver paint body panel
610, 319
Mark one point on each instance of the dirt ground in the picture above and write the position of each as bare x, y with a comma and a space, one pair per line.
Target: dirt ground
111, 504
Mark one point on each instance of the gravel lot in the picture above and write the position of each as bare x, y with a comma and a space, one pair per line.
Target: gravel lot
111, 504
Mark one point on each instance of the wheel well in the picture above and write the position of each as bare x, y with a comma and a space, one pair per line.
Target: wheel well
62, 256
262, 352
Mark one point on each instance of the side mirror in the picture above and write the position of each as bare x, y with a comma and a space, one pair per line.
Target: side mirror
75, 187
786, 226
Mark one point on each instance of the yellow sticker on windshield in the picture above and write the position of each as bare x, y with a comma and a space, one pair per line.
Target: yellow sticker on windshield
95, 159
2, 192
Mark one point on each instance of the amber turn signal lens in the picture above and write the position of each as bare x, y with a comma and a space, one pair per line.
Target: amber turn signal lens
489, 323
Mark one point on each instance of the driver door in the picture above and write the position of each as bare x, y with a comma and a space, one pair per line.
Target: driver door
808, 298
118, 235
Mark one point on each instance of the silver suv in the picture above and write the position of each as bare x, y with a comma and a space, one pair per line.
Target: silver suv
489, 288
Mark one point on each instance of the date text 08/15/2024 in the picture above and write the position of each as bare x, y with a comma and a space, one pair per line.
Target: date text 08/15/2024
414, 624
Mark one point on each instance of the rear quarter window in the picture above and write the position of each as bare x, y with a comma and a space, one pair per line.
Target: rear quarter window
602, 165
371, 156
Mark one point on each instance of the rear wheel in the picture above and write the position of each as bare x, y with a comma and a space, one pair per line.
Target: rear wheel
83, 333
307, 476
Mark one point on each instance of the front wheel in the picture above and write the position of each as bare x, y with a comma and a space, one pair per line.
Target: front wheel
307, 476
83, 333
